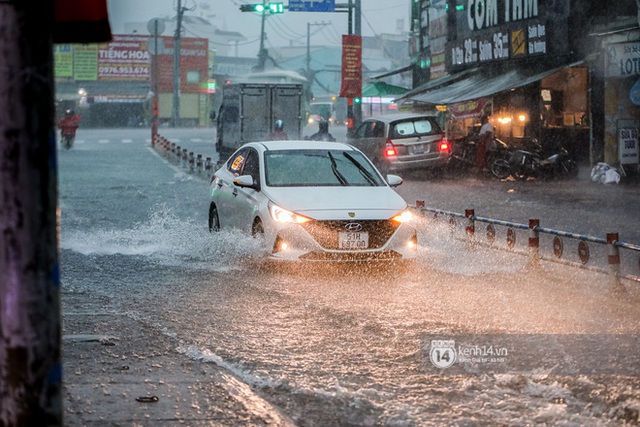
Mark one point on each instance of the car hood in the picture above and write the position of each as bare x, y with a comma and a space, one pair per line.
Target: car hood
337, 203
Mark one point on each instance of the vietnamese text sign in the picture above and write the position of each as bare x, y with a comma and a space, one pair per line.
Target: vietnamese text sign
125, 58
85, 62
628, 141
63, 60
623, 60
312, 5
351, 66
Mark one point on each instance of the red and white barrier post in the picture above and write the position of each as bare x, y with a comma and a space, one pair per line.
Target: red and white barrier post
614, 263
534, 243
470, 228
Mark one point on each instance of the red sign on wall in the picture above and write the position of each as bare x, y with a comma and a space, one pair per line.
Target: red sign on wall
351, 66
194, 64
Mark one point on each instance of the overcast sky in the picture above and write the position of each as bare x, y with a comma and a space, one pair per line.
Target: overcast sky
379, 16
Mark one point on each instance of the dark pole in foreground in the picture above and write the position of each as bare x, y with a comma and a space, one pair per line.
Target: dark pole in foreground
30, 372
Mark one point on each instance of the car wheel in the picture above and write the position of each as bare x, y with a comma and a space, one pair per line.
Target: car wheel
214, 219
257, 229
501, 169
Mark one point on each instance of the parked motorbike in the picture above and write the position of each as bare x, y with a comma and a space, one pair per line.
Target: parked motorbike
463, 152
524, 164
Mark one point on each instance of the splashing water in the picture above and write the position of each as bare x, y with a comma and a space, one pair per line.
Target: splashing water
169, 240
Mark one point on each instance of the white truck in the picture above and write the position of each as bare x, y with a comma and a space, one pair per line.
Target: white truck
249, 110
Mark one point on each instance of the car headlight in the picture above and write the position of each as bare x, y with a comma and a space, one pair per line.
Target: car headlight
282, 215
404, 216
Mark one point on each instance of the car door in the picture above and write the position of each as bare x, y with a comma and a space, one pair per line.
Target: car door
246, 200
226, 192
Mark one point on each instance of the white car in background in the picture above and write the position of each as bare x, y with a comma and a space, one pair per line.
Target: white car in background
312, 201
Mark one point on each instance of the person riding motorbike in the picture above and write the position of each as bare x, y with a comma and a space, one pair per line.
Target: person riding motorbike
68, 126
278, 132
323, 132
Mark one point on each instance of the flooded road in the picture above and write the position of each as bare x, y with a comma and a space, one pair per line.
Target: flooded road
337, 345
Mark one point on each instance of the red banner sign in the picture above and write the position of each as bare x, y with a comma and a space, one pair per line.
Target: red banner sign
351, 67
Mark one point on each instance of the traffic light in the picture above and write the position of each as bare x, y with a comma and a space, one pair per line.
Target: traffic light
260, 8
357, 100
252, 8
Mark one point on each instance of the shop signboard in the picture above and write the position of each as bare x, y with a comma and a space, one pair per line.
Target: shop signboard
499, 30
623, 60
194, 64
85, 62
125, 58
628, 141
63, 60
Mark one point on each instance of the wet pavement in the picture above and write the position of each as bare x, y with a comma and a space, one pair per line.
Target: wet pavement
164, 325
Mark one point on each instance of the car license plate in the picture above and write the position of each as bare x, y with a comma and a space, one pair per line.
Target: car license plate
353, 240
418, 149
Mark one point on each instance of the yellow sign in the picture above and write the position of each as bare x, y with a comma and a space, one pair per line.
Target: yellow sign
63, 60
85, 58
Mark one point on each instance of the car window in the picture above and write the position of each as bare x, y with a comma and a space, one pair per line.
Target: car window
317, 168
374, 129
362, 130
412, 128
236, 162
252, 166
378, 130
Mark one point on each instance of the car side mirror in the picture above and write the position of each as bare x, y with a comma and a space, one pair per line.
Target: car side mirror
246, 181
394, 180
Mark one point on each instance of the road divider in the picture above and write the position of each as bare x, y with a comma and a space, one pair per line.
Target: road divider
194, 163
619, 260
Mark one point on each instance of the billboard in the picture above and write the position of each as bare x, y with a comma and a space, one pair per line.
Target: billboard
499, 30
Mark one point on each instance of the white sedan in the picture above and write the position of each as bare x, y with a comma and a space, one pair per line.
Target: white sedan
312, 201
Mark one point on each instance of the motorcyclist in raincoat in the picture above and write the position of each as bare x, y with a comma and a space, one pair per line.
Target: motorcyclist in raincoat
68, 125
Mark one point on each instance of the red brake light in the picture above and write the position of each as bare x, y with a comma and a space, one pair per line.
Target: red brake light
389, 149
444, 145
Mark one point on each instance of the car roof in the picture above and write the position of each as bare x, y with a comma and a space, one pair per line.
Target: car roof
392, 117
300, 145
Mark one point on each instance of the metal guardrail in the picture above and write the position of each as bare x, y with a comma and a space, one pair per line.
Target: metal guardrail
618, 256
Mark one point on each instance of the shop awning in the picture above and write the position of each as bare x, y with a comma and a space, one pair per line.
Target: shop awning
482, 84
436, 83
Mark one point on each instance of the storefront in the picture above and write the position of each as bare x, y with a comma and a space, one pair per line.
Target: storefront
622, 100
524, 64
110, 84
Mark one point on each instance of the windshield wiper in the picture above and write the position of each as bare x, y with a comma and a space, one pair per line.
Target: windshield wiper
361, 168
336, 172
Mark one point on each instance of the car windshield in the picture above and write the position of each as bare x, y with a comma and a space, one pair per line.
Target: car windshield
319, 168
413, 128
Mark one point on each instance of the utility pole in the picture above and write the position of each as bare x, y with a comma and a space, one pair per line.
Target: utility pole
30, 325
262, 55
357, 109
175, 112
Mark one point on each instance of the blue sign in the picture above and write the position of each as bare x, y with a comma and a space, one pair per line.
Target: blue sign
312, 5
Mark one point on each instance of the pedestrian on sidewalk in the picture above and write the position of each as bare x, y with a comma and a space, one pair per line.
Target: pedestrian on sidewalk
484, 138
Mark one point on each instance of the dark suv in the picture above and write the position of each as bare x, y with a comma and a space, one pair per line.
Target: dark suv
396, 142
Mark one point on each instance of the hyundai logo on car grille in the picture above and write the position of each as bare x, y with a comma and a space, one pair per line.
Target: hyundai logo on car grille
353, 226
